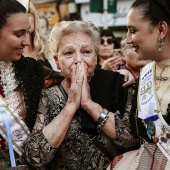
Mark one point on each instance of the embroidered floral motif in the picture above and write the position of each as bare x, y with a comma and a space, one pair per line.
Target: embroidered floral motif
9, 84
24, 73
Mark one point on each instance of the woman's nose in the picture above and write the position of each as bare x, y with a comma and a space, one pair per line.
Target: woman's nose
26, 40
78, 58
128, 38
105, 42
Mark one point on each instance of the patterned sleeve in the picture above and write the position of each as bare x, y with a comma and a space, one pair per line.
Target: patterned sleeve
124, 136
38, 150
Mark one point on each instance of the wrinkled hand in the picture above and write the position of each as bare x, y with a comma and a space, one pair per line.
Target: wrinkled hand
75, 91
129, 79
85, 93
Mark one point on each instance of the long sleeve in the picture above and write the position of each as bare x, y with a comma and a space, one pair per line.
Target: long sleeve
38, 150
124, 136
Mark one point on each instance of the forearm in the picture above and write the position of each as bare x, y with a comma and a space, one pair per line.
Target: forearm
95, 111
57, 129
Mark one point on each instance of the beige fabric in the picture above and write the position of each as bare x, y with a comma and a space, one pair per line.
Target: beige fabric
163, 92
148, 157
129, 161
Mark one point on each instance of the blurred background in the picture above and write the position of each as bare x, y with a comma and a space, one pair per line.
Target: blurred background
113, 16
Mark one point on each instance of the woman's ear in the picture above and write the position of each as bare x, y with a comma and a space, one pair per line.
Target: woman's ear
162, 27
56, 61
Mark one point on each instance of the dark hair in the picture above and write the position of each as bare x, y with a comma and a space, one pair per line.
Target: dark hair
8, 8
109, 33
154, 10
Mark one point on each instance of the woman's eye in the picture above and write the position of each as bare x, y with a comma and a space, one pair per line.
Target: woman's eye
19, 34
68, 53
87, 51
132, 31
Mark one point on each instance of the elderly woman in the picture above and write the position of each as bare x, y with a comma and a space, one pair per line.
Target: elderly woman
75, 126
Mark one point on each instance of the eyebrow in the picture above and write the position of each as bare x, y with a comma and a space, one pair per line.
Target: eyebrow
130, 26
23, 29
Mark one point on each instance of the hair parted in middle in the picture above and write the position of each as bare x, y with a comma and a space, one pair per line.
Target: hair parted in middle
66, 27
9, 8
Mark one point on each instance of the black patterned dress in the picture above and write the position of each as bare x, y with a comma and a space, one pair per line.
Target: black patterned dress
78, 150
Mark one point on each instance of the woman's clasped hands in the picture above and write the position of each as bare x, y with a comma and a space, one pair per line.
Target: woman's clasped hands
79, 92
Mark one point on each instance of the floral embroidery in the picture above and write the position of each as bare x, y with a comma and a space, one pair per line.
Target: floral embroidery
10, 84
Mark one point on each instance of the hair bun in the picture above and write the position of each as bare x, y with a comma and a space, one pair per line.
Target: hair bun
160, 9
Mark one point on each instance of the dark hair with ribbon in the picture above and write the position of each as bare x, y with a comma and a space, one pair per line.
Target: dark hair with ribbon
8, 8
154, 10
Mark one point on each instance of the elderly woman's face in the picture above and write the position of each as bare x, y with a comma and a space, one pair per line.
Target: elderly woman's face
76, 48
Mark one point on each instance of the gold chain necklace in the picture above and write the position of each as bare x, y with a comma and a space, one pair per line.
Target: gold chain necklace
160, 78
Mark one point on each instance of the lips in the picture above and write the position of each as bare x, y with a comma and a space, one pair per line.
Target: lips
106, 50
130, 46
20, 50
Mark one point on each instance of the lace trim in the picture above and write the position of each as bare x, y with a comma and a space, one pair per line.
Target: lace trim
9, 84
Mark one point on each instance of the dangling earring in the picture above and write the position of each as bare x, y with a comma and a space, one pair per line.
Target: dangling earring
160, 44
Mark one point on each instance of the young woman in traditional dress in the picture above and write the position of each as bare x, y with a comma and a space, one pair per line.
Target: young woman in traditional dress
148, 24
21, 81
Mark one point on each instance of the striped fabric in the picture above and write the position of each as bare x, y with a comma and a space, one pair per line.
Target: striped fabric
148, 157
4, 152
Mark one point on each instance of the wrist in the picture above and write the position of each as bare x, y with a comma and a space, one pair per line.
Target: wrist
71, 107
102, 119
87, 105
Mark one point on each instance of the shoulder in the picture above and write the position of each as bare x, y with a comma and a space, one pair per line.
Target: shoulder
51, 92
51, 98
27, 63
28, 66
29, 71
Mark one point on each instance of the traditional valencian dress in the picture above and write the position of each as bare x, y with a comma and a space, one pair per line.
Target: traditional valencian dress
150, 121
20, 88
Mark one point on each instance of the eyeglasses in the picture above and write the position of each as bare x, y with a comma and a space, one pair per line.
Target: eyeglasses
109, 41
